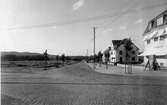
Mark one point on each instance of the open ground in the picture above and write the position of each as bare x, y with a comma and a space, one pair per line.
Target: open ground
79, 84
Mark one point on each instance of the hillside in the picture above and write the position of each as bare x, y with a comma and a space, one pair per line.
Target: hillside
13, 55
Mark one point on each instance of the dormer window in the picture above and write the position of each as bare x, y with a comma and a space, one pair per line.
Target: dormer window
153, 24
165, 18
159, 21
149, 27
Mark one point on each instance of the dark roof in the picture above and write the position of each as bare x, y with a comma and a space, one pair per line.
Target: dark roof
117, 43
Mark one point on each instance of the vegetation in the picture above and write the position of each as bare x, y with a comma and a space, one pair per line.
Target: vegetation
13, 56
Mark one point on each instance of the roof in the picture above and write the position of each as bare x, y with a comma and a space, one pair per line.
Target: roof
162, 13
154, 52
117, 43
153, 19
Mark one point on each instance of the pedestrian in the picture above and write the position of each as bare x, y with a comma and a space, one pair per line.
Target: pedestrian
63, 58
155, 65
147, 64
46, 58
107, 56
100, 55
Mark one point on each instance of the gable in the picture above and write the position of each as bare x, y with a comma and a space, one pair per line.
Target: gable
118, 44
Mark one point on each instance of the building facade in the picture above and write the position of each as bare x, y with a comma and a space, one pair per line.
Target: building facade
120, 54
155, 39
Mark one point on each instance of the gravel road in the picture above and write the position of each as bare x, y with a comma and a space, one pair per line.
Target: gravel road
78, 84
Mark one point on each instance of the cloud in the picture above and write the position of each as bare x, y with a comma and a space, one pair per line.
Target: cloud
139, 21
78, 4
108, 30
54, 27
123, 27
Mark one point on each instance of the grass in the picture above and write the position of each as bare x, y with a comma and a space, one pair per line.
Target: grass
31, 66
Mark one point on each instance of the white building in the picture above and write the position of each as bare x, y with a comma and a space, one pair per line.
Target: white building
155, 39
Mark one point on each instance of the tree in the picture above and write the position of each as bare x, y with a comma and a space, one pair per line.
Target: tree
46, 55
128, 47
46, 58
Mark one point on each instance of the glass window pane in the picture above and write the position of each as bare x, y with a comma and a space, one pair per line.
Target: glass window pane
160, 21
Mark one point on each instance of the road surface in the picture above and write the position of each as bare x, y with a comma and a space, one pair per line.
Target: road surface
78, 84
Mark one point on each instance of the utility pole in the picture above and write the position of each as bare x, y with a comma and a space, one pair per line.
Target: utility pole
94, 45
87, 56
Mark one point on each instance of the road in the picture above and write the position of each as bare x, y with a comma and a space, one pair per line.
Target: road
78, 84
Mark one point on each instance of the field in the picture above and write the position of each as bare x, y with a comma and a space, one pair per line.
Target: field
78, 84
31, 66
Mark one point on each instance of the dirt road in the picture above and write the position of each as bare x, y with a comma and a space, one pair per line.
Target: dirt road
78, 84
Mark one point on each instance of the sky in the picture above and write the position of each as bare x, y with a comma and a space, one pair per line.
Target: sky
66, 26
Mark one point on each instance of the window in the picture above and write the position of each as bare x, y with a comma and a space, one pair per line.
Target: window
160, 21
120, 59
161, 64
162, 37
133, 58
148, 28
111, 53
152, 24
133, 52
148, 41
120, 52
165, 19
155, 39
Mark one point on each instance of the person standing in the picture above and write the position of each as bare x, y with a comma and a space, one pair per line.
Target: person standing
147, 64
46, 58
100, 55
63, 58
155, 65
107, 56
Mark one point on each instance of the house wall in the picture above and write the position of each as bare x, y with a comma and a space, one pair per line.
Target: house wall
133, 56
113, 56
156, 47
120, 56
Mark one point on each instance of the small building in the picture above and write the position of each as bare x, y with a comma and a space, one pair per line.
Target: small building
121, 53
155, 39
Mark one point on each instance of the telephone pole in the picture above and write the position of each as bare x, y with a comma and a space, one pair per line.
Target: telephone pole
94, 45
87, 52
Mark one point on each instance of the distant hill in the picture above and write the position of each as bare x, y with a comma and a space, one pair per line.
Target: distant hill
13, 55
19, 53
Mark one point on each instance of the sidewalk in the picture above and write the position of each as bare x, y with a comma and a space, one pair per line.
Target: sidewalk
120, 70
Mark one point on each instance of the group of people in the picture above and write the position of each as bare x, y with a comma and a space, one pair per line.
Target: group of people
152, 63
46, 57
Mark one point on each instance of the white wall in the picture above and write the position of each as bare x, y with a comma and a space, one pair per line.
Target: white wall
158, 47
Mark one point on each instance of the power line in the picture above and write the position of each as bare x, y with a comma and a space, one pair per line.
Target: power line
132, 11
115, 17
